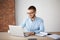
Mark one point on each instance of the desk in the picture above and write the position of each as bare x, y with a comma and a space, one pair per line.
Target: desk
6, 36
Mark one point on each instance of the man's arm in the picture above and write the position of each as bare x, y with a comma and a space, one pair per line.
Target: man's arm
41, 28
23, 24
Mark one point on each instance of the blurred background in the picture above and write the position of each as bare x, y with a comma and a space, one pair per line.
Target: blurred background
48, 10
14, 12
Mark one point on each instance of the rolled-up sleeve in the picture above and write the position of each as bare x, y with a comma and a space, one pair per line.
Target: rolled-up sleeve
41, 28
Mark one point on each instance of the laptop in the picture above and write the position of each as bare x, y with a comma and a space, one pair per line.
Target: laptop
16, 30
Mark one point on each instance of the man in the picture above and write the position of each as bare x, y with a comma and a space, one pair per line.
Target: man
33, 24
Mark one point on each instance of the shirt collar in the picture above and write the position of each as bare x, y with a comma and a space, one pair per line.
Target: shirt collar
33, 20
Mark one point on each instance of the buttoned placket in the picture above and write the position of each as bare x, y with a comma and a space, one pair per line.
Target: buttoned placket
32, 22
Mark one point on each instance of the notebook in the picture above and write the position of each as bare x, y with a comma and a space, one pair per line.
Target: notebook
54, 36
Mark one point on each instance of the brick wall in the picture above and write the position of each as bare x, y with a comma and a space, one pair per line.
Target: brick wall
7, 14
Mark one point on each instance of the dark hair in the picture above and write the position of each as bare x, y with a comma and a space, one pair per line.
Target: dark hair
32, 7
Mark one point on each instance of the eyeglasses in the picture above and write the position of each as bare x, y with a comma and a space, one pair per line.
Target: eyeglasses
31, 13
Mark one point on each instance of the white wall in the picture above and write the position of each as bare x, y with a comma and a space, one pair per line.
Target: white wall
48, 10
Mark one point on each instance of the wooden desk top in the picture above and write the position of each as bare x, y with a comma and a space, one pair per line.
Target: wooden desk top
55, 33
6, 36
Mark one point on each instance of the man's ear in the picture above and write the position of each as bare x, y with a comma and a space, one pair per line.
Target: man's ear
35, 12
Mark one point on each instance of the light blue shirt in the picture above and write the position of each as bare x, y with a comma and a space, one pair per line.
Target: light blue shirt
36, 26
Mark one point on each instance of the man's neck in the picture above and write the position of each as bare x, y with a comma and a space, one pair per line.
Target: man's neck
33, 18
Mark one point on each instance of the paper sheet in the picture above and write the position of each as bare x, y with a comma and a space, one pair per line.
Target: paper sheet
42, 34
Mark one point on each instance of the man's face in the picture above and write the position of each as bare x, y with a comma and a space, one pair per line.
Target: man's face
31, 13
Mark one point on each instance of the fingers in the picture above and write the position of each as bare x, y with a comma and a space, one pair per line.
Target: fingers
29, 33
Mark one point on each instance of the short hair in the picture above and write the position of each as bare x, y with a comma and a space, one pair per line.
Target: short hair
32, 7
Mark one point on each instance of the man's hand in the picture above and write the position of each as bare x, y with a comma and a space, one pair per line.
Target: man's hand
30, 33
